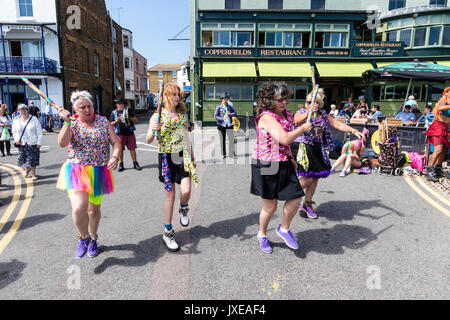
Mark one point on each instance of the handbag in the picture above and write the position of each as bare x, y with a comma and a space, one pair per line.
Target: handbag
5, 135
23, 132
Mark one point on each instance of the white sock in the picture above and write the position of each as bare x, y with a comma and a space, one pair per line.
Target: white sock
283, 230
260, 236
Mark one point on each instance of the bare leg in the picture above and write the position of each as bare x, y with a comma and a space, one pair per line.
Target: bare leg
339, 161
133, 155
185, 188
311, 190
268, 210
289, 210
80, 217
168, 205
94, 219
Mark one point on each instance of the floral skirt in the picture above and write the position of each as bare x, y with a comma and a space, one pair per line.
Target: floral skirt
312, 162
28, 156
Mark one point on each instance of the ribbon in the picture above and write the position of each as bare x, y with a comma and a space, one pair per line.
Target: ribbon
166, 173
189, 166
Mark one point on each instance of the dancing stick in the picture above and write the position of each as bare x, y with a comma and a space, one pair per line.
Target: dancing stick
313, 102
160, 105
39, 92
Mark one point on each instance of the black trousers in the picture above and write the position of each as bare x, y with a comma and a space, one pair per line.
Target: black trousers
229, 132
8, 146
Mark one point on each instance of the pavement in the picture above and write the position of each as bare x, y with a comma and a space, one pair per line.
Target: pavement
377, 236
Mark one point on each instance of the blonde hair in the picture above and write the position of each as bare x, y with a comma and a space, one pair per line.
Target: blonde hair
320, 98
169, 90
81, 95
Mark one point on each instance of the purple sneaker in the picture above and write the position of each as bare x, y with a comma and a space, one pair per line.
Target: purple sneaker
264, 244
93, 248
82, 247
288, 238
309, 211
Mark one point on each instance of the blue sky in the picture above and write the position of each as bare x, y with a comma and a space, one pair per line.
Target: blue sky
152, 23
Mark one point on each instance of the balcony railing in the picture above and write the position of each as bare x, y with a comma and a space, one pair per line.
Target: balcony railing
27, 65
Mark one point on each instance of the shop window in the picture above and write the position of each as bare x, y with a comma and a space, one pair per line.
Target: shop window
207, 38
232, 4
405, 36
221, 38
446, 36
334, 40
434, 36
419, 37
246, 92
26, 8
317, 4
242, 39
276, 4
209, 92
396, 92
396, 4
301, 92
391, 36
436, 92
438, 2
273, 39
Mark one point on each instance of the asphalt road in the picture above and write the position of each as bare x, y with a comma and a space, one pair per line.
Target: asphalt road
376, 238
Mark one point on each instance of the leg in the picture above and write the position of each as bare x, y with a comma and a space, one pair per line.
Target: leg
168, 205
33, 172
222, 140
268, 210
133, 155
231, 141
185, 196
305, 182
2, 148
311, 190
80, 203
94, 215
8, 148
339, 161
348, 162
289, 210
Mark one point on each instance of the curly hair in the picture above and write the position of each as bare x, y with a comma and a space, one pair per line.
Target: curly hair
169, 90
320, 98
269, 92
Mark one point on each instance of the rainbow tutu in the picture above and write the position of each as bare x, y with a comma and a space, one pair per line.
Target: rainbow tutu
96, 181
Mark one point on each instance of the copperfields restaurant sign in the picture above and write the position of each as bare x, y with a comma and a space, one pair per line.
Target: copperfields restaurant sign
378, 49
239, 52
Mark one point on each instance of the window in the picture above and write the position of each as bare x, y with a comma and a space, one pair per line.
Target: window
228, 34
128, 86
317, 4
160, 74
127, 63
126, 42
26, 8
434, 36
232, 4
405, 36
137, 84
391, 36
396, 4
96, 65
446, 36
276, 4
419, 37
438, 2
174, 74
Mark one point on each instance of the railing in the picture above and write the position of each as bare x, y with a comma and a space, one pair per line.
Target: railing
27, 65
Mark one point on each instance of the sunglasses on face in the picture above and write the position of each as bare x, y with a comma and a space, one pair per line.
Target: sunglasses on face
281, 100
308, 102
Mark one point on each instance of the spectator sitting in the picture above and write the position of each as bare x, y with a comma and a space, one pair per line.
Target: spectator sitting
346, 112
376, 112
427, 118
411, 101
408, 118
361, 112
416, 111
334, 112
350, 104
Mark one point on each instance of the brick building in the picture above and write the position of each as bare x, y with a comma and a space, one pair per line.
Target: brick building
87, 53
140, 81
118, 66
166, 72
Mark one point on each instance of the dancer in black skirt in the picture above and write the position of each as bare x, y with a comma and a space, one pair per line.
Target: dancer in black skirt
314, 146
273, 169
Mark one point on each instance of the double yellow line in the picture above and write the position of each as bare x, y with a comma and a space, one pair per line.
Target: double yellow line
14, 171
444, 209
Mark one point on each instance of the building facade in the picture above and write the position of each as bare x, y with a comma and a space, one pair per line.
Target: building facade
128, 62
140, 81
236, 45
29, 47
118, 62
183, 75
164, 72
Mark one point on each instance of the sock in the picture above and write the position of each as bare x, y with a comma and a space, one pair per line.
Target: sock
168, 227
283, 230
184, 205
260, 236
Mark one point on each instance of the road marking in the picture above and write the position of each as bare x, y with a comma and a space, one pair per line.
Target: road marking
22, 212
434, 193
15, 199
427, 198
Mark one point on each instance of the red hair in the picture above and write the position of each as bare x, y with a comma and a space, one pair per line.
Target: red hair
444, 98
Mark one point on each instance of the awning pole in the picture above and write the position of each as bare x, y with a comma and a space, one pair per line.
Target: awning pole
407, 94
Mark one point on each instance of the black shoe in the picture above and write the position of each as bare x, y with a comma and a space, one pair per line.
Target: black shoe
3, 155
9, 154
431, 175
136, 166
121, 167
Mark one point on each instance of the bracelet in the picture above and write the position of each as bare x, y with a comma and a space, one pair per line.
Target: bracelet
68, 123
354, 130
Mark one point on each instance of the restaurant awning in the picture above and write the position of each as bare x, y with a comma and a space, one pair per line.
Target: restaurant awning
229, 69
342, 69
444, 63
284, 69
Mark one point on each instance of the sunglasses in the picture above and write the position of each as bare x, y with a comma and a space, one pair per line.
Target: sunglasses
308, 102
281, 100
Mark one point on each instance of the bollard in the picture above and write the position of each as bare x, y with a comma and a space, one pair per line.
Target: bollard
247, 133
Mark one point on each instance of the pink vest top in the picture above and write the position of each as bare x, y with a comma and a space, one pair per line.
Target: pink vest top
267, 149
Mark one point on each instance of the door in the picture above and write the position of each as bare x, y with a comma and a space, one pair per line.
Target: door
16, 98
16, 49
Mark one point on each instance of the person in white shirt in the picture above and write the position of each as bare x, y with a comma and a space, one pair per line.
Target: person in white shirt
334, 111
27, 132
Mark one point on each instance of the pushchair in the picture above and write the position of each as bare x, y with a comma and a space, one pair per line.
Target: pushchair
390, 161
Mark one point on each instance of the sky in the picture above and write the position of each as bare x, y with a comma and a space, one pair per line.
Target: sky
153, 22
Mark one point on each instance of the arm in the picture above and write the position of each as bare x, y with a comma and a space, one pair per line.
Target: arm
300, 117
444, 106
153, 126
15, 130
343, 127
115, 142
65, 135
233, 111
38, 131
216, 114
277, 131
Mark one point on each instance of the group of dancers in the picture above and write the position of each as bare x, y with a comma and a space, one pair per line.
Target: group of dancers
278, 174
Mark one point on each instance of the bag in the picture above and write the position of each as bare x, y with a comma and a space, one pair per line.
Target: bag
23, 132
5, 135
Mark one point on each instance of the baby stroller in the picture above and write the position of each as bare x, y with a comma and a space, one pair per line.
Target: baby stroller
388, 159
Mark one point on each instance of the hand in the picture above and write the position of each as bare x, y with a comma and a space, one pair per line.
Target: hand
65, 115
113, 163
156, 126
38, 146
359, 135
306, 127
119, 118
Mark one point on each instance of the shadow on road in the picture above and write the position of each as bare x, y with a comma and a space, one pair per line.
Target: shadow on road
30, 222
149, 250
347, 210
10, 272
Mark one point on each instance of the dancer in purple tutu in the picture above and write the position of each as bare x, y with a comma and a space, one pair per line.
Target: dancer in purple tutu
314, 147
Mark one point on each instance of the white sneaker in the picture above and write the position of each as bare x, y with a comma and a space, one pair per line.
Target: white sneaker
344, 173
184, 219
170, 241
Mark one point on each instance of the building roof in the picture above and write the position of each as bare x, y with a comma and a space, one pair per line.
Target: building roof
165, 67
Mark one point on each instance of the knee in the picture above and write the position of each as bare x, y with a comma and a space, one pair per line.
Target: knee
94, 212
170, 195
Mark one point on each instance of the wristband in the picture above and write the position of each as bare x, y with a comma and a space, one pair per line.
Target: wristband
354, 130
68, 123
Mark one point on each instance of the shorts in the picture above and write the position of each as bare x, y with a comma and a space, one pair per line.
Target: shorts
128, 141
177, 172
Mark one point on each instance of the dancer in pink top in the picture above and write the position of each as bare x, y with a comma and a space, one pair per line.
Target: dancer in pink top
274, 169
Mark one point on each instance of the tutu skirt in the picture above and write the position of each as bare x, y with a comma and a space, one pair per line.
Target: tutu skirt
438, 133
96, 181
313, 163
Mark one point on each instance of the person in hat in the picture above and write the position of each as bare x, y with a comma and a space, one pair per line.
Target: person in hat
407, 116
123, 120
224, 115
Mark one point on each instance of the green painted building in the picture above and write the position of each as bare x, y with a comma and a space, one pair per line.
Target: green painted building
236, 45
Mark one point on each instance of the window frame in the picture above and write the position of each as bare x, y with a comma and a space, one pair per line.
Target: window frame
232, 4
231, 28
27, 5
283, 28
275, 4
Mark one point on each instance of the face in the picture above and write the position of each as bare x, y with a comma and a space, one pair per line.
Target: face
175, 98
280, 104
84, 108
23, 112
120, 106
224, 100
